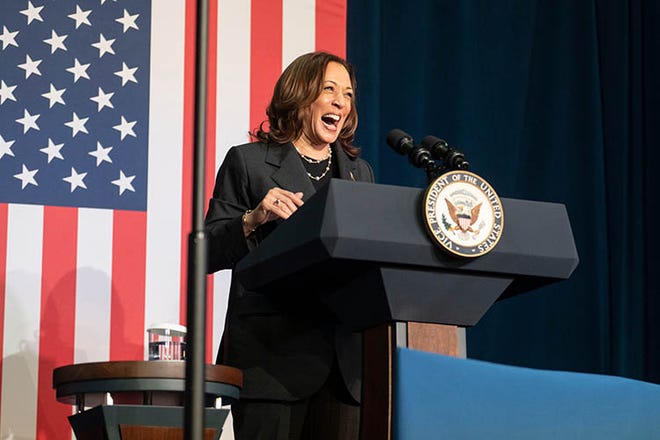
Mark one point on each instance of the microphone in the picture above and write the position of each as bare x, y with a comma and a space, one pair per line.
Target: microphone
402, 143
452, 159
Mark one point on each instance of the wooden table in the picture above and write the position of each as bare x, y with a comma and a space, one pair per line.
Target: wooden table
140, 400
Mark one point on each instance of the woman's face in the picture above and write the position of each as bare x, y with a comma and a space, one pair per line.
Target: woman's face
330, 110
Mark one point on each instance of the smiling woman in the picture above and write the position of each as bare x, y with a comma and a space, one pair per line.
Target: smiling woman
328, 112
302, 371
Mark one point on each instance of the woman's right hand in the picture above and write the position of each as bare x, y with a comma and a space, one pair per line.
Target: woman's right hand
277, 203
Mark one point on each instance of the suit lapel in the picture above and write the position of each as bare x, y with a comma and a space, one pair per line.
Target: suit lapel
347, 167
290, 174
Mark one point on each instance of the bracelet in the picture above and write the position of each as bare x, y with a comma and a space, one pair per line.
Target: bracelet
244, 220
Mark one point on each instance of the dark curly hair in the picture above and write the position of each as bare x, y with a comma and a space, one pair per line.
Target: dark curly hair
295, 91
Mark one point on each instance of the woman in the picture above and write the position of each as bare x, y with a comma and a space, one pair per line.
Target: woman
301, 371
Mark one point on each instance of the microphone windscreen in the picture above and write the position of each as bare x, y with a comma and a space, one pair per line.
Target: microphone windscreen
438, 147
400, 141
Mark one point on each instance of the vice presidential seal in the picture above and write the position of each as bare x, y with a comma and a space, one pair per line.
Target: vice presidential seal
463, 214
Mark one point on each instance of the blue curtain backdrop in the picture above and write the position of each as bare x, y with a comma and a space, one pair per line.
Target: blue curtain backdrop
551, 100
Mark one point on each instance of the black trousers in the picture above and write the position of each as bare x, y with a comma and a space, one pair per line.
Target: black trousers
328, 414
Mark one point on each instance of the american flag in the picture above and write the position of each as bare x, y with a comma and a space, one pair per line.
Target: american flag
96, 100
75, 96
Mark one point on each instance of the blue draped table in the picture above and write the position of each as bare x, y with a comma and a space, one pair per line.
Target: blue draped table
440, 397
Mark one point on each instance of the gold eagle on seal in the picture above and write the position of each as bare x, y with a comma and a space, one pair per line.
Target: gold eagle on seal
463, 217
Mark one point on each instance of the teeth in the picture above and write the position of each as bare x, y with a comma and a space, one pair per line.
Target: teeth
332, 116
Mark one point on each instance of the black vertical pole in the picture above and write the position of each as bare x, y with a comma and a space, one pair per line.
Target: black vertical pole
197, 247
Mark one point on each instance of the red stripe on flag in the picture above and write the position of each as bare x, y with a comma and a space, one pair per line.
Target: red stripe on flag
331, 26
4, 218
187, 157
210, 152
265, 55
129, 244
57, 316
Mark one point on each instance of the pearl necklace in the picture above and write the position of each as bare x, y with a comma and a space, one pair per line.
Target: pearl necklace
317, 161
311, 159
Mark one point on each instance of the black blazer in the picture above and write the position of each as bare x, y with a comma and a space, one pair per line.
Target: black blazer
285, 348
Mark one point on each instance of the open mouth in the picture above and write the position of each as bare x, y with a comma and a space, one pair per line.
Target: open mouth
331, 120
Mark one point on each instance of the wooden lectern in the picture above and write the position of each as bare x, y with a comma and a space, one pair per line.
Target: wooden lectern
147, 398
369, 244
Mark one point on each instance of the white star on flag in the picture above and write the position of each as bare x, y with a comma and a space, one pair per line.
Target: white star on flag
101, 154
32, 13
125, 128
28, 121
76, 180
128, 21
104, 46
54, 96
77, 125
80, 17
27, 177
127, 74
103, 99
30, 66
56, 42
124, 183
53, 150
5, 147
6, 92
8, 38
78, 70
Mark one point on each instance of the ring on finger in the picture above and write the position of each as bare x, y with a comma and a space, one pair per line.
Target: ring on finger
276, 202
